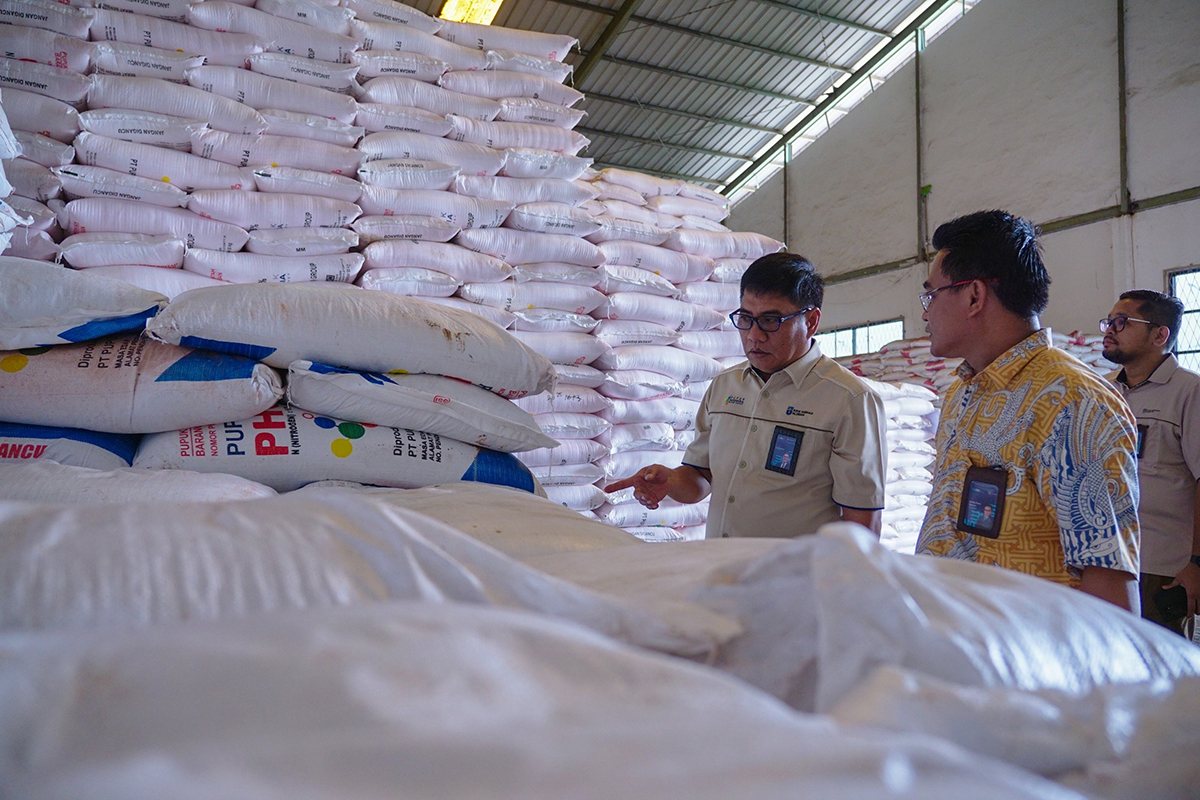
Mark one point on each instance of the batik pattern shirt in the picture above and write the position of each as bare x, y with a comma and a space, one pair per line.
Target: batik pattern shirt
1067, 442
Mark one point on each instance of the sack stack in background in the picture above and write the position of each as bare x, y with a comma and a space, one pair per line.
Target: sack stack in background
406, 155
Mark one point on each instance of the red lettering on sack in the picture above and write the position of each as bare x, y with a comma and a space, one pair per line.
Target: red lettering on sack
264, 445
437, 398
268, 419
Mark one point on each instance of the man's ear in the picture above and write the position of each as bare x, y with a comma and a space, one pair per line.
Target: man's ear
1161, 335
816, 321
977, 297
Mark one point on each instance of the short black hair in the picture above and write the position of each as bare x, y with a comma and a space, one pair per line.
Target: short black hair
788, 275
996, 246
1161, 309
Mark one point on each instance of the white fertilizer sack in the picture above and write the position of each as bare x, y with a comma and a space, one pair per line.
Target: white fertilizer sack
410, 281
287, 448
84, 250
257, 268
73, 447
254, 210
80, 181
145, 127
130, 384
44, 304
181, 170
137, 61
48, 482
463, 264
169, 282
153, 94
347, 327
291, 180
428, 403
218, 47
123, 216
302, 241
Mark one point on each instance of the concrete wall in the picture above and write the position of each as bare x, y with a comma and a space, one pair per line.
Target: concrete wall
1019, 104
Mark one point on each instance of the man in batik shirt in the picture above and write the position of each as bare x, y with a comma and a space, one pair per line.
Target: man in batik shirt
1036, 467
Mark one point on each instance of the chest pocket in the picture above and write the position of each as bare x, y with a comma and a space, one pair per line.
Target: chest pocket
1158, 447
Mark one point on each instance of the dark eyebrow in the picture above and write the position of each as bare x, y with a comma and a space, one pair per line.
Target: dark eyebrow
925, 285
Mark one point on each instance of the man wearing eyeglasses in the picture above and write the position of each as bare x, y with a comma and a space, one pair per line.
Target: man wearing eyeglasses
787, 441
1028, 432
1140, 334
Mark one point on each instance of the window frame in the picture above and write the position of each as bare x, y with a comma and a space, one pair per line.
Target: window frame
1192, 362
863, 330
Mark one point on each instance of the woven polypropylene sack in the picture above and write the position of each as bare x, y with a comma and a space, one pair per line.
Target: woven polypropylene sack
367, 331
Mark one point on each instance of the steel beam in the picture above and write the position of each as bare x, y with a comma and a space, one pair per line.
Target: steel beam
712, 37
733, 123
625, 137
898, 41
624, 62
605, 40
845, 23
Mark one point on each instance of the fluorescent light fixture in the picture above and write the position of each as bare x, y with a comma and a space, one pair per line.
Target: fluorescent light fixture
481, 12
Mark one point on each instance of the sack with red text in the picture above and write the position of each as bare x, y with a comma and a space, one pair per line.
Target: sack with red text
288, 448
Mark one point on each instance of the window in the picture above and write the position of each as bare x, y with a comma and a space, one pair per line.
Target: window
874, 335
1185, 284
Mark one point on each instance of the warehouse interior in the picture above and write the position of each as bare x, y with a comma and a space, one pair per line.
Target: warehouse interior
331, 330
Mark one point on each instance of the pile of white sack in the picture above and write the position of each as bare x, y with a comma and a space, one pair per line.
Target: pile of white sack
472, 641
365, 143
379, 388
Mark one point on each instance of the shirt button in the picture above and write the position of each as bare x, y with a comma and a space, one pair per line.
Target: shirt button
741, 465
766, 393
753, 428
730, 498
724, 535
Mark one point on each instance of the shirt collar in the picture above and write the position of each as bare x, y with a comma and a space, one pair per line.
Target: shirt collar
1005, 369
1161, 374
798, 370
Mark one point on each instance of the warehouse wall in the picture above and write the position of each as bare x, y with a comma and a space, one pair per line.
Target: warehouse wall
1019, 104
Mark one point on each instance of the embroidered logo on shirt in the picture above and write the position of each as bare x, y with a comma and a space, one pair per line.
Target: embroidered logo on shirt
735, 401
792, 411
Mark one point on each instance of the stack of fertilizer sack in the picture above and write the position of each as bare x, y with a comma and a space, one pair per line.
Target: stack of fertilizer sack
380, 389
227, 140
639, 363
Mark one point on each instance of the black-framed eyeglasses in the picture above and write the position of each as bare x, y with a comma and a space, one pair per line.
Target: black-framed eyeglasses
1117, 324
927, 297
767, 323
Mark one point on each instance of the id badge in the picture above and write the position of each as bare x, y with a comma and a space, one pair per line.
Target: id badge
784, 450
982, 506
1142, 432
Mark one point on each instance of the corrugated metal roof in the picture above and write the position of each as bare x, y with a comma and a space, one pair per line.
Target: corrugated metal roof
701, 88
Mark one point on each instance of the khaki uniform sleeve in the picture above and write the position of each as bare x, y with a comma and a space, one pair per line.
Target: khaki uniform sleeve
858, 462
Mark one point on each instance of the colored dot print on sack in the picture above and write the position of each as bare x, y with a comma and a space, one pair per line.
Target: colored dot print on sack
15, 362
351, 430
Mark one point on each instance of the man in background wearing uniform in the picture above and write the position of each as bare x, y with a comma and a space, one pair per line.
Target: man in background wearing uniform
1035, 465
789, 440
1140, 334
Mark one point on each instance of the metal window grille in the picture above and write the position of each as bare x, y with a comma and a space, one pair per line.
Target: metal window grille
1185, 284
869, 338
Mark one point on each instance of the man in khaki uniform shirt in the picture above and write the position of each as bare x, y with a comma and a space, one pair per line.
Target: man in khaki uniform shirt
1140, 334
788, 441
